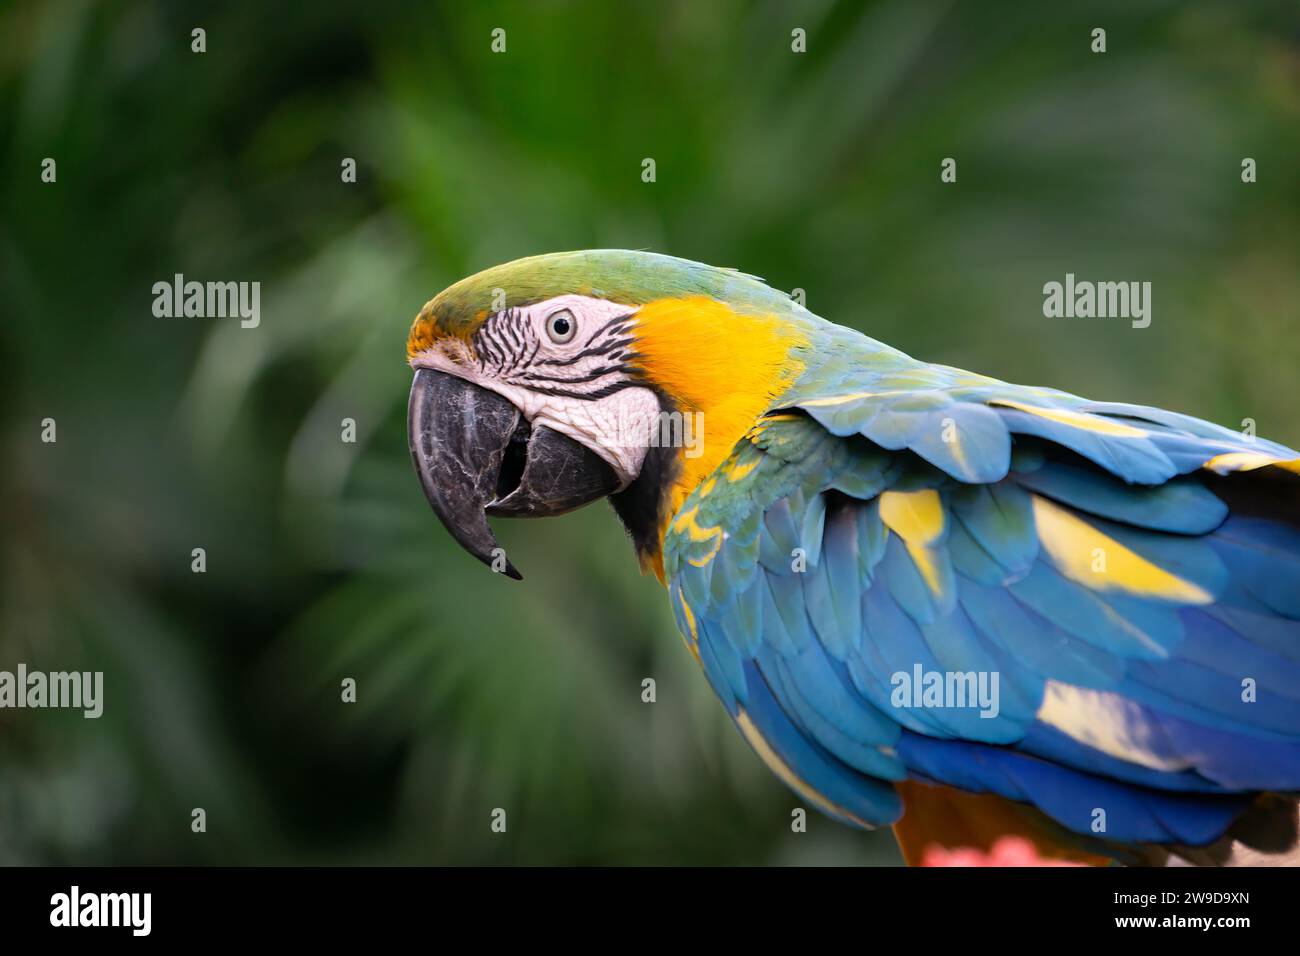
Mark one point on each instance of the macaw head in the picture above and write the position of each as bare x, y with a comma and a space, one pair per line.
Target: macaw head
546, 383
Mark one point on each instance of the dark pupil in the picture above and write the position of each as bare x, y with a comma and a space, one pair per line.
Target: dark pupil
561, 326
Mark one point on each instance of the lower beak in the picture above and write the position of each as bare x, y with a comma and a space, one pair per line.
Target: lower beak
476, 455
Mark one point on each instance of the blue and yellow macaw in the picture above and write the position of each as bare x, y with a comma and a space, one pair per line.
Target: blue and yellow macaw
926, 598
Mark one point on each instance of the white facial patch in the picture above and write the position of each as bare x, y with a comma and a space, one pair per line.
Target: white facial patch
562, 363
617, 427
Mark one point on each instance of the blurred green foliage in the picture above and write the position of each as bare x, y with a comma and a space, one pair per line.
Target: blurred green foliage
817, 170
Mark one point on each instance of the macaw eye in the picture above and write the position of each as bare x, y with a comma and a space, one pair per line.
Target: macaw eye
562, 327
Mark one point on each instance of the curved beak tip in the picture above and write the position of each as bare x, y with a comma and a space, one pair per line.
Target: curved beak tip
476, 455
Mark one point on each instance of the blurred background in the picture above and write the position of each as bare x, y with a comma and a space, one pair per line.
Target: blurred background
817, 170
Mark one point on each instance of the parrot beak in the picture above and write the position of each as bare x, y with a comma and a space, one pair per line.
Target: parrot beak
476, 455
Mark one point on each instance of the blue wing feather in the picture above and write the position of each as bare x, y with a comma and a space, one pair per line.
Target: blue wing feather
1126, 696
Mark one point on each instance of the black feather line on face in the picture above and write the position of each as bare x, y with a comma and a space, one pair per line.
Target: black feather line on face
590, 396
589, 377
604, 349
495, 341
510, 333
485, 345
537, 347
527, 336
608, 325
504, 339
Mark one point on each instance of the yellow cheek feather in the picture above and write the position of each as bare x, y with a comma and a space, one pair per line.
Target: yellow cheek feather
713, 360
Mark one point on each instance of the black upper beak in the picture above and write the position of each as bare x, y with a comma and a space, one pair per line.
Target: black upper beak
477, 455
